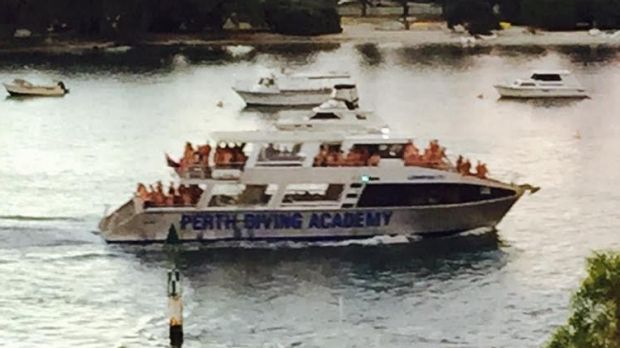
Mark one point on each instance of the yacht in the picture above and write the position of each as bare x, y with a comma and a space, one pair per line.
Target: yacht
289, 89
300, 185
544, 84
340, 113
24, 88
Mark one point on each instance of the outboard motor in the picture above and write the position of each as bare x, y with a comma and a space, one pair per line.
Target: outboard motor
62, 85
346, 93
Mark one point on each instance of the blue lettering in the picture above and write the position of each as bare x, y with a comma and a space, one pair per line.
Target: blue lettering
358, 219
373, 219
325, 220
314, 221
231, 221
387, 215
218, 220
337, 221
197, 222
249, 222
208, 221
296, 221
185, 220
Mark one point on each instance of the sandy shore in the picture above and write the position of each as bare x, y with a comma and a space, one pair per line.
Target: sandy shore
355, 30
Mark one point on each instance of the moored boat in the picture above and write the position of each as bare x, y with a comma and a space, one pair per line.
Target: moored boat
544, 84
21, 87
289, 89
259, 185
340, 113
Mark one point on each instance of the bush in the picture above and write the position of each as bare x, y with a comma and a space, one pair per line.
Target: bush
550, 14
606, 13
595, 318
476, 15
302, 17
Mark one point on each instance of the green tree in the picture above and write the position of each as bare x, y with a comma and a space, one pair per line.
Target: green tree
595, 318
550, 14
606, 13
476, 15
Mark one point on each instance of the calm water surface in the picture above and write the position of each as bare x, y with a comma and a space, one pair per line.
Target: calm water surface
62, 159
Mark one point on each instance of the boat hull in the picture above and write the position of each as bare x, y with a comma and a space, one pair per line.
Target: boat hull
284, 98
20, 91
512, 92
190, 225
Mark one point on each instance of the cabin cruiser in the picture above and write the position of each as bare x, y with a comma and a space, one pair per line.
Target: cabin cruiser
544, 84
21, 87
340, 113
261, 185
289, 89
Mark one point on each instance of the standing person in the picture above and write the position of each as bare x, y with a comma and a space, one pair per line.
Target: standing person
188, 155
481, 170
171, 194
459, 164
466, 167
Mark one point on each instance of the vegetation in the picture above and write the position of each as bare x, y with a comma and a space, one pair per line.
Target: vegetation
595, 318
132, 18
476, 15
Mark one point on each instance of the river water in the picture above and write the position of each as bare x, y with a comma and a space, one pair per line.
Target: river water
62, 159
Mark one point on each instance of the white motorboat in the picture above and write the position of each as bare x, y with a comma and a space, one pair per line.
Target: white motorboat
261, 185
21, 87
340, 113
544, 84
290, 89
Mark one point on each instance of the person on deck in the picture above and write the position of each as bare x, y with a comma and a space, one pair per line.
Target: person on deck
142, 192
204, 152
459, 163
481, 170
373, 161
171, 194
188, 155
466, 167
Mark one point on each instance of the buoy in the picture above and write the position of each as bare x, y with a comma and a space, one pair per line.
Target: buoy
577, 135
480, 96
175, 308
220, 104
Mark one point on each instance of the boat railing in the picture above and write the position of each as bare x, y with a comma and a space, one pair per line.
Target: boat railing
194, 172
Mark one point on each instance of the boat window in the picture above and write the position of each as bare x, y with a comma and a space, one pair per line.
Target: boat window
266, 81
241, 195
546, 77
283, 152
383, 150
403, 195
527, 84
324, 116
308, 193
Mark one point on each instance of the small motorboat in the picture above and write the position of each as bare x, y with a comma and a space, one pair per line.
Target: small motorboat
24, 88
544, 84
289, 89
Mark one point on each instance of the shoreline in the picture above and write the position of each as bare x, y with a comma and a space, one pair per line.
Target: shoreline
354, 31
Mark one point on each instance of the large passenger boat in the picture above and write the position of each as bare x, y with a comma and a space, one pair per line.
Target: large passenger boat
259, 185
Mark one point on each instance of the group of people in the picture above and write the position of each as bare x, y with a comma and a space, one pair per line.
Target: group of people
155, 196
334, 157
225, 156
433, 156
463, 166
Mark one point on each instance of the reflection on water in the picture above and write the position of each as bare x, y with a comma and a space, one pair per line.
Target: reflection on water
64, 158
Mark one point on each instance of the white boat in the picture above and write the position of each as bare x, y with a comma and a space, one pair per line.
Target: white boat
21, 87
340, 113
294, 186
544, 84
289, 89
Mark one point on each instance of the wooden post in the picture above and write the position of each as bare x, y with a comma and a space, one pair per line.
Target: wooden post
175, 308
